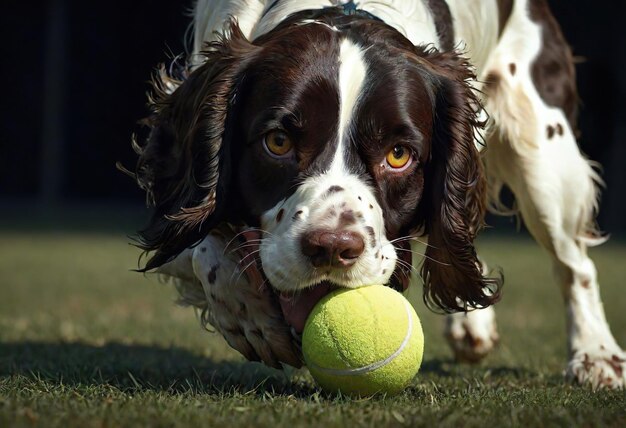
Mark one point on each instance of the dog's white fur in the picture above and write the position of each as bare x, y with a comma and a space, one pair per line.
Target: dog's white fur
554, 185
282, 240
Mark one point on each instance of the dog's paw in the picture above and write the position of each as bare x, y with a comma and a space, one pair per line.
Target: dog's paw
598, 366
472, 335
237, 301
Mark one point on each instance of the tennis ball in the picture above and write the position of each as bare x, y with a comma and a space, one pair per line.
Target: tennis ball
363, 341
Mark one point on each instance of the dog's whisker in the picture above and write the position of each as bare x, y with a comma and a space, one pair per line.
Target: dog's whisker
228, 244
410, 238
262, 284
248, 244
251, 229
433, 259
242, 271
255, 259
252, 254
263, 231
407, 265
407, 250
251, 241
422, 255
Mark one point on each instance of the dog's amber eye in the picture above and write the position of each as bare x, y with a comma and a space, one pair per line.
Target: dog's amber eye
399, 157
278, 144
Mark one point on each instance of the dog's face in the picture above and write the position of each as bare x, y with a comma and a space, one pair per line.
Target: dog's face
339, 140
329, 136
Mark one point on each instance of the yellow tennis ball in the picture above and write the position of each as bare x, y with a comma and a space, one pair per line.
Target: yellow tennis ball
363, 341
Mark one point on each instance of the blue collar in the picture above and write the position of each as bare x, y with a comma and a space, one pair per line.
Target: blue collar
349, 8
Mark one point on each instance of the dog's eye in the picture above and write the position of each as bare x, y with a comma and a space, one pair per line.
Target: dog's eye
399, 158
278, 144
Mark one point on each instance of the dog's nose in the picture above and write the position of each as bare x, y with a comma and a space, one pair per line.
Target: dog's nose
336, 248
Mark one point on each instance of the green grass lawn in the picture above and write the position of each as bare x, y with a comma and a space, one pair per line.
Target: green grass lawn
86, 342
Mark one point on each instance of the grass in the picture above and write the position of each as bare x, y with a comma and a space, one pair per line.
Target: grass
86, 342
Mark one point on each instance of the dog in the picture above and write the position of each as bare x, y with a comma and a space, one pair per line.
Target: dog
307, 145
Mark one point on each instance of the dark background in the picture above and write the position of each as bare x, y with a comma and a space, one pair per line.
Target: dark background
74, 76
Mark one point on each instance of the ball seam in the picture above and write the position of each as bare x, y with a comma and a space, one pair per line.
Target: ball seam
377, 364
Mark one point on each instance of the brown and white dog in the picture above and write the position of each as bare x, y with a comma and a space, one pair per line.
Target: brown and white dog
308, 143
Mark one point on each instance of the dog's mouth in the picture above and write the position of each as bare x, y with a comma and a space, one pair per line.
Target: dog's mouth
297, 306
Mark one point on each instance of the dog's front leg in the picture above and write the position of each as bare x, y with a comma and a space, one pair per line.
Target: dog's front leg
219, 277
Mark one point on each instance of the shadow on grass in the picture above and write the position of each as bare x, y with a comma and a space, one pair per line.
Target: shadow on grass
141, 367
451, 368
133, 368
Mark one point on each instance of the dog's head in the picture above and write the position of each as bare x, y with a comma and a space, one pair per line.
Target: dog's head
340, 140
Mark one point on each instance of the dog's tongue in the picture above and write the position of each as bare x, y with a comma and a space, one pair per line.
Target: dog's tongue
297, 307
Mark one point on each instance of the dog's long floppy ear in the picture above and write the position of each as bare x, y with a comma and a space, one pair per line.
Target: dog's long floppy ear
453, 206
180, 165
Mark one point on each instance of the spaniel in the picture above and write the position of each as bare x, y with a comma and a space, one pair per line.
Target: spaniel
309, 144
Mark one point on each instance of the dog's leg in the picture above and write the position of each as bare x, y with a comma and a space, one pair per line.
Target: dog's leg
472, 335
533, 151
220, 279
594, 355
